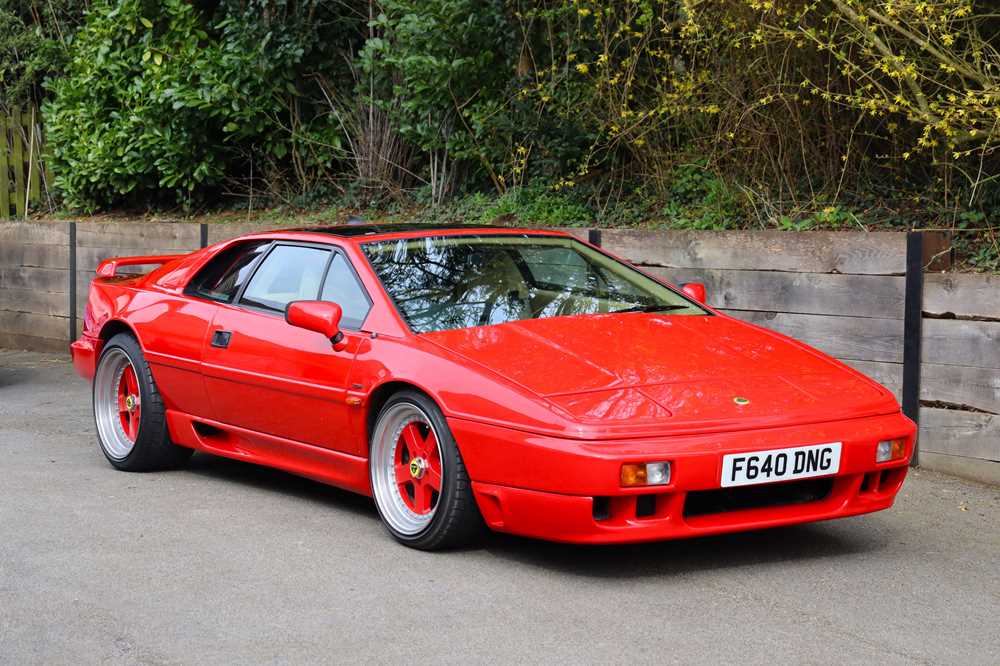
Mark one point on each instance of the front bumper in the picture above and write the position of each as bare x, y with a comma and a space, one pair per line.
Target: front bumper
568, 490
85, 352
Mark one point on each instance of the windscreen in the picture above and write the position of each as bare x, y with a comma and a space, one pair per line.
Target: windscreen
448, 282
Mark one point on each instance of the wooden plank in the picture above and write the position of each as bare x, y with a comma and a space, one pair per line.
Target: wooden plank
4, 171
45, 279
937, 250
889, 375
35, 233
946, 341
226, 230
961, 385
978, 388
982, 471
876, 253
83, 281
962, 294
26, 323
853, 338
33, 343
960, 342
29, 254
960, 433
806, 293
50, 177
17, 161
34, 155
583, 233
89, 257
136, 237
34, 301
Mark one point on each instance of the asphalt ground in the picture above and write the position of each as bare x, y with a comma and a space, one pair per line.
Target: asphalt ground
229, 563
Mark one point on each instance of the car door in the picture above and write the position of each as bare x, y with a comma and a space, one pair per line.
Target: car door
265, 375
174, 327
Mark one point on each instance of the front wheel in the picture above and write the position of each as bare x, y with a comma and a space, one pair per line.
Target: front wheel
128, 411
421, 488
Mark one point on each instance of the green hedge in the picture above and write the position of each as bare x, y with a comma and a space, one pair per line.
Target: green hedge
756, 113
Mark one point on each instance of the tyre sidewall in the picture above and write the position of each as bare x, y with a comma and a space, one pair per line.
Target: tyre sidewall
147, 420
450, 462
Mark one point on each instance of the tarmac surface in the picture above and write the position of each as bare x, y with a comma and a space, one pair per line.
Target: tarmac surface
225, 563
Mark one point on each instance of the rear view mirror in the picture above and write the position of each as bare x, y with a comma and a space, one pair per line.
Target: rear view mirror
320, 316
695, 290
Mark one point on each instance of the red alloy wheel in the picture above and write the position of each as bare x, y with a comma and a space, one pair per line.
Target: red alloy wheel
129, 411
418, 468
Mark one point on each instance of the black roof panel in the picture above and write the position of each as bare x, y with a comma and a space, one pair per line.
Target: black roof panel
349, 230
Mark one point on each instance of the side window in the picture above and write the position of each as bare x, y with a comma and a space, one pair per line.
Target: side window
221, 278
342, 287
288, 273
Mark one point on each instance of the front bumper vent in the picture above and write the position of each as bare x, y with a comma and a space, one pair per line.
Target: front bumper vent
724, 500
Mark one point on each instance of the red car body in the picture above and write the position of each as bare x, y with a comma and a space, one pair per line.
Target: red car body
545, 412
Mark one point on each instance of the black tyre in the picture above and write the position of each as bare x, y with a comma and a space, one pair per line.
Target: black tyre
421, 487
129, 413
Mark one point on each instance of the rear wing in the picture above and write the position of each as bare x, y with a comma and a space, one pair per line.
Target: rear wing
109, 267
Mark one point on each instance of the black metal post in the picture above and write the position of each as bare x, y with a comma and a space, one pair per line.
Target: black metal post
204, 235
594, 237
72, 281
913, 326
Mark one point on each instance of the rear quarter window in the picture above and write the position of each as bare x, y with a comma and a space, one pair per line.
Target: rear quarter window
342, 287
223, 276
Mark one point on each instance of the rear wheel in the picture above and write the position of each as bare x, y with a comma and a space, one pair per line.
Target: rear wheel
128, 411
419, 481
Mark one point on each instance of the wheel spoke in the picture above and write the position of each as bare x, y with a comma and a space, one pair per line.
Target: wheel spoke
421, 497
433, 477
408, 471
414, 442
430, 445
130, 380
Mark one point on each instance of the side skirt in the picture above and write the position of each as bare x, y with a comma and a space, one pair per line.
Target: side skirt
324, 465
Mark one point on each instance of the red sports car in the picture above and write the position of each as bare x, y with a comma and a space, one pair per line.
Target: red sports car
468, 376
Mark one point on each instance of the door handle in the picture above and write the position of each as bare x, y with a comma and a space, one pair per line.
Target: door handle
220, 339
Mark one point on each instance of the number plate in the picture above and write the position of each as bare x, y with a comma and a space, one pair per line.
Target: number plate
800, 462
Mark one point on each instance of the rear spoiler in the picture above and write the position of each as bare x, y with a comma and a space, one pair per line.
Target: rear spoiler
109, 267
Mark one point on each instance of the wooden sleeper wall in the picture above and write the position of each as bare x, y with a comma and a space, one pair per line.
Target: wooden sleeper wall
840, 292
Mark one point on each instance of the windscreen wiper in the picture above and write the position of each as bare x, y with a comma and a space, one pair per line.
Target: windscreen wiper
651, 308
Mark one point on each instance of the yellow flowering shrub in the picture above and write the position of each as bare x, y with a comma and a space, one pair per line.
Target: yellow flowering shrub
887, 81
618, 71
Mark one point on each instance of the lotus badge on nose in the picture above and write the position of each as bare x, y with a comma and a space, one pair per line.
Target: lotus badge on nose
741, 401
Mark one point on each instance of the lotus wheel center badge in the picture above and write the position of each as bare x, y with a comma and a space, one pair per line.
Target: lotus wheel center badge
741, 401
417, 468
130, 403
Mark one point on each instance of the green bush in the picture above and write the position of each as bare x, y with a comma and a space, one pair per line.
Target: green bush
439, 66
705, 115
538, 205
699, 199
153, 104
33, 45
